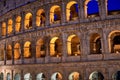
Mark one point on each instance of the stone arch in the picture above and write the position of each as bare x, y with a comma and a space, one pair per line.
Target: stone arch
17, 51
95, 43
114, 43
56, 76
18, 24
55, 47
74, 76
27, 49
88, 5
8, 76
27, 76
116, 76
1, 76
96, 76
72, 10
17, 76
40, 17
9, 52
28, 21
55, 14
10, 26
40, 48
73, 45
40, 76
3, 29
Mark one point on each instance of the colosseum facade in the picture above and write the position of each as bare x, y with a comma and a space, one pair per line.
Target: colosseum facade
58, 40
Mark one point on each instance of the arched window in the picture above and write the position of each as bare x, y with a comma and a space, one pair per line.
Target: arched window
91, 8
1, 76
95, 44
10, 26
113, 7
3, 29
116, 76
72, 11
96, 76
28, 21
17, 51
73, 45
18, 24
40, 76
55, 47
8, 76
27, 49
55, 14
28, 76
1, 54
40, 48
40, 18
114, 42
17, 77
56, 76
74, 76
9, 52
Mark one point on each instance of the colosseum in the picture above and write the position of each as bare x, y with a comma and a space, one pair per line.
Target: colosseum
59, 40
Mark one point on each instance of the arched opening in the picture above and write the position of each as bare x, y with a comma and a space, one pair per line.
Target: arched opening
73, 45
40, 76
17, 51
3, 29
96, 76
113, 7
74, 76
28, 21
9, 52
2, 54
40, 18
18, 24
72, 11
114, 42
28, 76
116, 76
10, 26
91, 8
55, 14
27, 50
8, 76
95, 44
55, 47
17, 77
40, 48
1, 76
56, 76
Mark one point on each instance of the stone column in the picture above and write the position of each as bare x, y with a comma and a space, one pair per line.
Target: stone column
22, 51
12, 52
34, 20
81, 10
22, 21
5, 53
64, 47
13, 25
47, 14
63, 13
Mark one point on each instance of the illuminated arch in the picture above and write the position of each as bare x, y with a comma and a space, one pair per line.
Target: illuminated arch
27, 49
17, 51
3, 29
91, 8
8, 76
55, 14
113, 40
9, 52
28, 21
95, 43
40, 76
2, 54
56, 76
17, 76
96, 76
40, 17
74, 76
73, 45
116, 76
27, 76
18, 24
40, 48
72, 11
10, 26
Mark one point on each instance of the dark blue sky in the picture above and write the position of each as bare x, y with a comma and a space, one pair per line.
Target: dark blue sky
112, 5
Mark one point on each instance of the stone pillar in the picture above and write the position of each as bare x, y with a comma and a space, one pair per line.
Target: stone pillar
1, 29
22, 51
34, 20
47, 44
63, 13
5, 54
47, 20
12, 52
13, 25
22, 21
64, 47
81, 10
